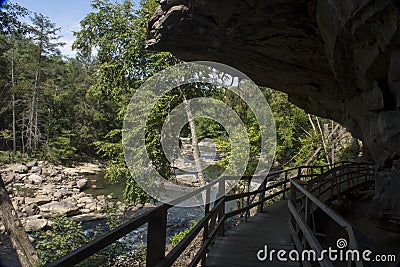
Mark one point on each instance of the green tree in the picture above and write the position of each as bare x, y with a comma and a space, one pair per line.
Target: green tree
12, 29
43, 33
65, 236
117, 32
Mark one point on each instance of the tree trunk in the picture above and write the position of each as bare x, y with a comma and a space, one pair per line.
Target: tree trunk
20, 241
337, 127
30, 125
195, 141
323, 141
22, 135
14, 126
33, 116
34, 111
36, 133
13, 103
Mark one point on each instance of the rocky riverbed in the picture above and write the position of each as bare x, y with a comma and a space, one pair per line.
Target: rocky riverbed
40, 191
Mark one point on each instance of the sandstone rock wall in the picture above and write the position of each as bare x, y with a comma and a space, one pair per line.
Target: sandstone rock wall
337, 59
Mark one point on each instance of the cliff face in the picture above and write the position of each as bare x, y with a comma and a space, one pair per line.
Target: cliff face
337, 59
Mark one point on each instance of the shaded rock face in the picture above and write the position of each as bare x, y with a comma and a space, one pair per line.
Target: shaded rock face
336, 59
384, 208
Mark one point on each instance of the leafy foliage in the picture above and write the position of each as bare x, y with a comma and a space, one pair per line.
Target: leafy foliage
177, 237
118, 32
65, 236
72, 109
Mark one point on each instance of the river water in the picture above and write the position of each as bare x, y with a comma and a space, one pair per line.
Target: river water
99, 185
179, 218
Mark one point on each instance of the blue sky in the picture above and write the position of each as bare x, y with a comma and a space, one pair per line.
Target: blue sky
65, 13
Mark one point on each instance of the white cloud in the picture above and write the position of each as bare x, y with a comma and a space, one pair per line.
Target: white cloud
68, 38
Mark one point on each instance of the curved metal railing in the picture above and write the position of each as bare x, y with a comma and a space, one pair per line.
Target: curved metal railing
309, 197
274, 186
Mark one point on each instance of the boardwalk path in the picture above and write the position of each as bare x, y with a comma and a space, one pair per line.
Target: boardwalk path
240, 245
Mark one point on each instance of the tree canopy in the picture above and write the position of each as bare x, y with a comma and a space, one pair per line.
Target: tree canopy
72, 109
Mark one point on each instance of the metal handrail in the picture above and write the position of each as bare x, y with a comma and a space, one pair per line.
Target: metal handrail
212, 223
296, 218
250, 204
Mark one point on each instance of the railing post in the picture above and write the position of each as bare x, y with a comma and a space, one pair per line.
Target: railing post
333, 184
207, 203
247, 213
221, 188
262, 195
206, 225
221, 213
293, 200
156, 237
285, 186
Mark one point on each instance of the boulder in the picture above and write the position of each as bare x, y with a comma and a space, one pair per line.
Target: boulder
39, 200
101, 197
18, 177
19, 168
88, 217
18, 185
9, 178
62, 193
65, 206
88, 169
149, 205
57, 178
33, 225
90, 206
85, 210
82, 183
19, 200
111, 196
133, 208
71, 185
52, 172
81, 194
30, 186
86, 200
30, 210
31, 164
36, 169
34, 179
48, 189
16, 206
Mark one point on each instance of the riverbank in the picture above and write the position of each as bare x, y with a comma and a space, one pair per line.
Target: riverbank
40, 191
